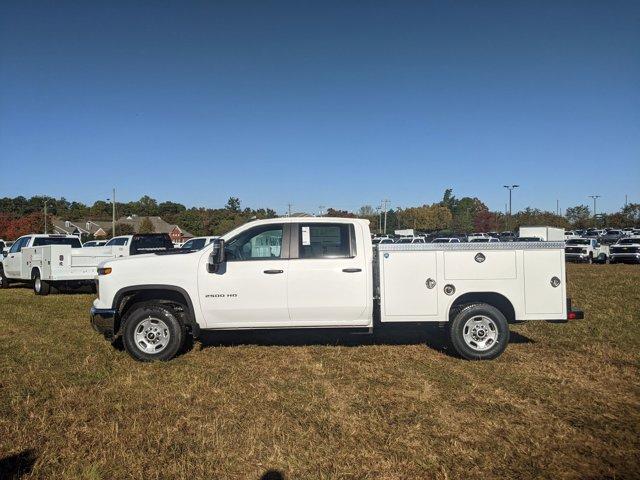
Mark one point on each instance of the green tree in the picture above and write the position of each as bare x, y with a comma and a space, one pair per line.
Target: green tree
233, 204
146, 226
579, 216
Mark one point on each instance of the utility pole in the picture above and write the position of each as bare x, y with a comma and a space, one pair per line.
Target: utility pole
385, 202
379, 215
289, 209
625, 200
510, 188
45, 216
320, 210
557, 207
595, 197
113, 213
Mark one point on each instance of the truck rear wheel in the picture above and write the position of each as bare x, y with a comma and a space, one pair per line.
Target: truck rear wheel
479, 332
40, 287
152, 332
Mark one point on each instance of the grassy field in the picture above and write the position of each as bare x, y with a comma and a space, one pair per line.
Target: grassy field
562, 402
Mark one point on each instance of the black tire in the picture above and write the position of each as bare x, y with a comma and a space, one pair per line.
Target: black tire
40, 287
4, 281
475, 322
153, 326
590, 259
602, 258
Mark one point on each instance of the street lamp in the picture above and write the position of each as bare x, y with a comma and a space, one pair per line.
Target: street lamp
595, 197
510, 188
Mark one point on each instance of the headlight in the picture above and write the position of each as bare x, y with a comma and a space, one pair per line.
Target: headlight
583, 251
104, 271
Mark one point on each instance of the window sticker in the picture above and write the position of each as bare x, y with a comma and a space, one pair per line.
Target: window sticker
306, 237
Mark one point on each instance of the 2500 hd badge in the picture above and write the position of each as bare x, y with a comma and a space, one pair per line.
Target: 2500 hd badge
222, 295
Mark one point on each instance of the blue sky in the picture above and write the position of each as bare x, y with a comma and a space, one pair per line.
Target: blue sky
321, 103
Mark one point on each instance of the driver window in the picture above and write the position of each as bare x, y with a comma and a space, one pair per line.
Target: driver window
260, 243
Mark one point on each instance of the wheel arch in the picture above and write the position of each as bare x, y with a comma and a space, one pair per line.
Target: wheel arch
494, 299
35, 269
127, 297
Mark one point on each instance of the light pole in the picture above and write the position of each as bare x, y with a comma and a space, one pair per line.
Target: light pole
385, 202
595, 197
113, 213
510, 188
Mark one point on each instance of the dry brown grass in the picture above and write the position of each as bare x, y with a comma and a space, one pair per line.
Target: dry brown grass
562, 402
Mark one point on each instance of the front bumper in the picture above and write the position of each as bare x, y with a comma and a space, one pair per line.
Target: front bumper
103, 321
576, 257
625, 257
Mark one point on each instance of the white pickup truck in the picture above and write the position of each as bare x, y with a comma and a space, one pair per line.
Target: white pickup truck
51, 261
586, 250
627, 250
324, 273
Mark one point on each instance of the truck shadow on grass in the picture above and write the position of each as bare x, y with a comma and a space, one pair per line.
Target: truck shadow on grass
17, 465
433, 336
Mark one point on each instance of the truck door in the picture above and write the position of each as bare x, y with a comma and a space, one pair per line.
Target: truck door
250, 287
328, 276
12, 263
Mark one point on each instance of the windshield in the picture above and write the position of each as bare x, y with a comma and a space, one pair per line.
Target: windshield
614, 232
629, 241
578, 241
479, 240
441, 240
73, 241
195, 244
405, 240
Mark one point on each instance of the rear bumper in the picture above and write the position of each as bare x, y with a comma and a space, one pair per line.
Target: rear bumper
103, 321
572, 314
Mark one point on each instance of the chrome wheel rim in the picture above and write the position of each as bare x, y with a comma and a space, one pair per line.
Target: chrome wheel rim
152, 335
38, 284
480, 333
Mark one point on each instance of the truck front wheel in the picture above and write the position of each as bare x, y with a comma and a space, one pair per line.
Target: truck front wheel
4, 281
479, 332
40, 287
152, 332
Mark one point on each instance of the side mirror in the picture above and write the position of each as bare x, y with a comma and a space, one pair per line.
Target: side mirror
5, 253
216, 258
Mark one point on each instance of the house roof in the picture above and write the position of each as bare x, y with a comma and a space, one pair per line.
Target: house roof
159, 225
87, 226
83, 226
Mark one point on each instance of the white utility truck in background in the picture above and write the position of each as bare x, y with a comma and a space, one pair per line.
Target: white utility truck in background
48, 261
547, 234
585, 250
325, 273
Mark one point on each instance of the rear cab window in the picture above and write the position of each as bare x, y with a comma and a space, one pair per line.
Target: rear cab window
73, 241
326, 240
150, 243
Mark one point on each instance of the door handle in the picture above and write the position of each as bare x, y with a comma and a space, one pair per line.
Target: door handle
351, 270
272, 272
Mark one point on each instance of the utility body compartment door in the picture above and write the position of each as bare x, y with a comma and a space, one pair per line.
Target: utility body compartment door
542, 295
408, 290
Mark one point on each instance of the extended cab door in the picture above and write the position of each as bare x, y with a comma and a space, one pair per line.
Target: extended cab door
250, 287
12, 263
328, 275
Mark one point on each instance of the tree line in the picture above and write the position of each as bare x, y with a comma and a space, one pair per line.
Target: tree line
20, 215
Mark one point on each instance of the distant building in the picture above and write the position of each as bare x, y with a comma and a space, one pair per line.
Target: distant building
102, 228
